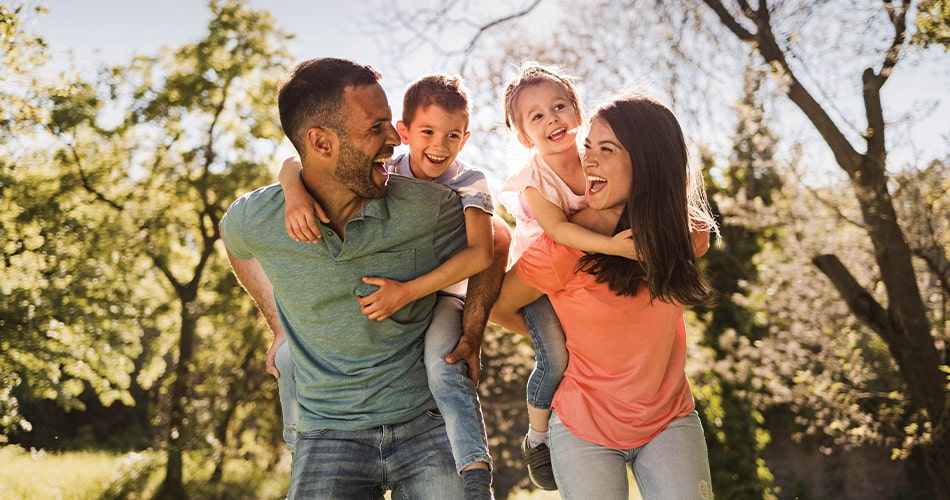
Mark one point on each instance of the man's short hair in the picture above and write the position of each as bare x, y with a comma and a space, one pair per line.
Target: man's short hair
446, 91
312, 96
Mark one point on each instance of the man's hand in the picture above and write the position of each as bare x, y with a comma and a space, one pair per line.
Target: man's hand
270, 365
469, 349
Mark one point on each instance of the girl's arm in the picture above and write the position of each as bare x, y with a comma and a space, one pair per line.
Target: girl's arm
515, 294
555, 224
300, 207
475, 258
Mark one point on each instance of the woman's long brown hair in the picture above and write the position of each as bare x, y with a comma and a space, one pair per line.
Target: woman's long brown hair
664, 203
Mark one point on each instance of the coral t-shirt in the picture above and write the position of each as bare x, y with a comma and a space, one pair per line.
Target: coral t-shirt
626, 377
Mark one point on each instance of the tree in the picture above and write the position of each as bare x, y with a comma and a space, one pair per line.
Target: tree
196, 127
683, 43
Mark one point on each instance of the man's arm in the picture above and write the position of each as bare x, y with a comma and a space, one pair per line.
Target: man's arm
482, 291
251, 276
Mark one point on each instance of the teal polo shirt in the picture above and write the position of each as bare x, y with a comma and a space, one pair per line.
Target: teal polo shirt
352, 373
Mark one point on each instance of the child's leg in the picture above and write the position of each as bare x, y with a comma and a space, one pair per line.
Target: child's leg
287, 391
550, 354
453, 391
550, 360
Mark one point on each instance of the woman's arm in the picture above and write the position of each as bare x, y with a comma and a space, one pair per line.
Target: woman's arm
558, 228
515, 294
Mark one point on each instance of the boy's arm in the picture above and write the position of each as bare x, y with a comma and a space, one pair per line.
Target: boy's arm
476, 257
482, 292
251, 276
300, 207
558, 228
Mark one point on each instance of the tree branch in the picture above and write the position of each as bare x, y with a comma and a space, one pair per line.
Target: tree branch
861, 303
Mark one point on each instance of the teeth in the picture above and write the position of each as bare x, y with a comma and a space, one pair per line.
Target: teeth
558, 132
592, 178
385, 159
436, 159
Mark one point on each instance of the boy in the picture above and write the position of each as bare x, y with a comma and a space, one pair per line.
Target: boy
435, 127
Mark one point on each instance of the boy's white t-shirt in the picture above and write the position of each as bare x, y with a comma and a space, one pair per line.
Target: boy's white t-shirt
539, 175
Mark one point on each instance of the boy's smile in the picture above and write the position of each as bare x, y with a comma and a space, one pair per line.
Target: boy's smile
435, 138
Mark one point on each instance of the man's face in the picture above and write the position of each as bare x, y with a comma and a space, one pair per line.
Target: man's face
367, 143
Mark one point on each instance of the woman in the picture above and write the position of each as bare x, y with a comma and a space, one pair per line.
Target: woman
624, 398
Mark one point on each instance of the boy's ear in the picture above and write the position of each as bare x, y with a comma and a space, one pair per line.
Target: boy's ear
523, 139
468, 133
403, 130
322, 141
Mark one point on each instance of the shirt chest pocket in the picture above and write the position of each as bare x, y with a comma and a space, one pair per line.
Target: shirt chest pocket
399, 266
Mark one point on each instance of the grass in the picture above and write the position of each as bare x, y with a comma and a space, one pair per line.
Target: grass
82, 475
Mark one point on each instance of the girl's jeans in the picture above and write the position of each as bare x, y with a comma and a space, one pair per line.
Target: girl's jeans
674, 464
550, 352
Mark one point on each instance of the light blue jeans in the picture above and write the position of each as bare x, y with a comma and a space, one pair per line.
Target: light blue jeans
287, 391
453, 391
674, 464
550, 352
412, 459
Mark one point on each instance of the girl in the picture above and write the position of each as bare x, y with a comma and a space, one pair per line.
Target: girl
625, 398
543, 109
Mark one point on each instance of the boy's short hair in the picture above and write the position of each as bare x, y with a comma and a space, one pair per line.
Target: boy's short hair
312, 95
534, 73
446, 91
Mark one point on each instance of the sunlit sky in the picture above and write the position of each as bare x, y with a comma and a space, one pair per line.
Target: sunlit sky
111, 31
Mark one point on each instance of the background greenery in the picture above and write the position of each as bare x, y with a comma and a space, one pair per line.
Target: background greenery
127, 349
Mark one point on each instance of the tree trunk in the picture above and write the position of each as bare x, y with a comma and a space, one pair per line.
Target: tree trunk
174, 486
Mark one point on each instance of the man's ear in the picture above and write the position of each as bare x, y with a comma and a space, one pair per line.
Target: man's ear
322, 141
403, 130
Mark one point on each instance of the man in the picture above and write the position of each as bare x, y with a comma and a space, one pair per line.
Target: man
367, 419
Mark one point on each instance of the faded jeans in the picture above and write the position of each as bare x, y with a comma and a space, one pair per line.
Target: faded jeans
412, 459
287, 391
453, 391
550, 352
674, 464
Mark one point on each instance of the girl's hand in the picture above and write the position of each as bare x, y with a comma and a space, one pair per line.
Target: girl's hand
300, 215
623, 244
383, 303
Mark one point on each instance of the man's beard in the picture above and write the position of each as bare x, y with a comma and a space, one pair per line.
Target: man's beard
355, 171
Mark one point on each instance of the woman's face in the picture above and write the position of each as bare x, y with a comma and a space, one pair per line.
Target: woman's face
608, 167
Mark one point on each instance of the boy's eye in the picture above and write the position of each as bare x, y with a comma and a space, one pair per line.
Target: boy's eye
427, 131
453, 136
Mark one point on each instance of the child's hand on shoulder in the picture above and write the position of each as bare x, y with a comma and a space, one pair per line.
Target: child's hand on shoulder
300, 218
623, 244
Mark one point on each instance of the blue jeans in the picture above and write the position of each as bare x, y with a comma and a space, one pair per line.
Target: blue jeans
453, 391
413, 459
550, 352
287, 391
674, 464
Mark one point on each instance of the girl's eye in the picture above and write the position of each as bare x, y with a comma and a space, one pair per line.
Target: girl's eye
536, 117
558, 107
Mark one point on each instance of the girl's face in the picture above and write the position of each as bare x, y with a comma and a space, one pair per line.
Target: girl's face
608, 168
546, 118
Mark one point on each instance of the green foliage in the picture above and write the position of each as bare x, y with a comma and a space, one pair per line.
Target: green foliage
68, 476
933, 24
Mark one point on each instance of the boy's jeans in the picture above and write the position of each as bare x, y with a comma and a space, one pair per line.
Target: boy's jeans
287, 392
453, 391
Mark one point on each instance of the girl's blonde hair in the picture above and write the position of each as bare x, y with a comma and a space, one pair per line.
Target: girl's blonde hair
534, 73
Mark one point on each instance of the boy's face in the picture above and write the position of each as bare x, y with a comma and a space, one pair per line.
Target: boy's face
435, 138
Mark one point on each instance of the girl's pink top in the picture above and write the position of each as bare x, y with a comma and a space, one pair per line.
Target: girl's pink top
626, 377
537, 174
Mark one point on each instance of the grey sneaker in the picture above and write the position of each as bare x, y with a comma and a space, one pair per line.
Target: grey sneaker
538, 460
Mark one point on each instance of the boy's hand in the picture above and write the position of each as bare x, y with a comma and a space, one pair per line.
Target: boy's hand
383, 303
468, 350
623, 244
300, 221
